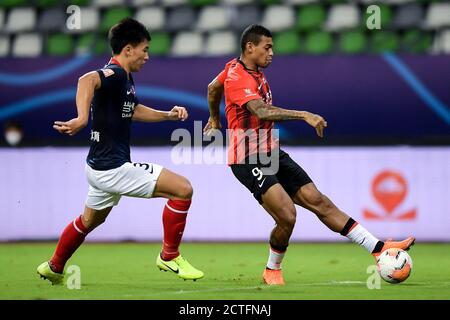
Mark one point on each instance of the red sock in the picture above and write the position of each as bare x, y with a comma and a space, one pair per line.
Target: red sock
174, 221
71, 238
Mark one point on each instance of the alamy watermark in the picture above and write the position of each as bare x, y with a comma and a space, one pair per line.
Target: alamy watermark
73, 22
374, 20
251, 146
73, 277
374, 279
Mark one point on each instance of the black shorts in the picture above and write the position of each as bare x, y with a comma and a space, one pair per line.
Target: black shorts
290, 175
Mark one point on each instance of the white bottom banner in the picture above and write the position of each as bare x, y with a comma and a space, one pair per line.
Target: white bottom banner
391, 191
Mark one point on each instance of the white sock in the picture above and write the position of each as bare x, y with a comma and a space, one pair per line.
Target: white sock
275, 259
364, 238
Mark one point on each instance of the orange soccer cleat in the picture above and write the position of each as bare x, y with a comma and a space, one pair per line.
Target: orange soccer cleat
273, 277
404, 245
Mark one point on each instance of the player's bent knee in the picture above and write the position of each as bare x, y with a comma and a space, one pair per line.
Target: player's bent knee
288, 217
91, 224
185, 190
92, 218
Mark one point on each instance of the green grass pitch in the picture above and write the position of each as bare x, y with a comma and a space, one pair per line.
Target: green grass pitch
232, 271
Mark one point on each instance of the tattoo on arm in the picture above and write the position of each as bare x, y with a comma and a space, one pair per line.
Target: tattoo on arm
268, 112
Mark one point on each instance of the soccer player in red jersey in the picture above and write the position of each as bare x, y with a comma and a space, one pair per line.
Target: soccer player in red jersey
110, 94
278, 184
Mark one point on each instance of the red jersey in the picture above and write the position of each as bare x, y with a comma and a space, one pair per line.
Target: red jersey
247, 134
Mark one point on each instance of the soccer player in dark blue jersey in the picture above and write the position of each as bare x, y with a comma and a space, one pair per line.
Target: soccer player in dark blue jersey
109, 94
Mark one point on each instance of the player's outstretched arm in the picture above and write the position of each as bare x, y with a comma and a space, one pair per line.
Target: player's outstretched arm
215, 93
87, 84
147, 114
272, 113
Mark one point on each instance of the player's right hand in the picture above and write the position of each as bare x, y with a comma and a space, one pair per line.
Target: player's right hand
178, 113
70, 127
317, 122
211, 126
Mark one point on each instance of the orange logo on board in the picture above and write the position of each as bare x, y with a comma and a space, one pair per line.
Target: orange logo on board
389, 188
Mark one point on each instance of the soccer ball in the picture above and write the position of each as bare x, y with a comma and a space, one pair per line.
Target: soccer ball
394, 265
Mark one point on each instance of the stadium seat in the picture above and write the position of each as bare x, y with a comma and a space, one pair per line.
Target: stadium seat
160, 44
27, 45
113, 16
85, 44
21, 19
59, 45
221, 43
395, 2
174, 3
444, 41
385, 16
107, 3
237, 2
53, 19
408, 16
187, 44
287, 42
352, 42
180, 19
12, 3
278, 18
2, 18
438, 15
90, 43
310, 17
342, 16
384, 41
80, 2
45, 3
154, 18
318, 42
102, 47
300, 2
415, 41
244, 16
270, 2
4, 46
202, 3
90, 20
212, 18
141, 3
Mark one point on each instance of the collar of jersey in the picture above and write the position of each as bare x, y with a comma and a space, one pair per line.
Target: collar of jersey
117, 63
114, 61
253, 72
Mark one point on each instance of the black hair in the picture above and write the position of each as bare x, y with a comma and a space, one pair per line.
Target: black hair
253, 34
12, 124
127, 31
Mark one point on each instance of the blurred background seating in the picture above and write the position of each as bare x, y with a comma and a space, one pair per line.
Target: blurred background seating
309, 27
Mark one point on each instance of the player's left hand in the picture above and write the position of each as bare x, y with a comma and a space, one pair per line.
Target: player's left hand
212, 126
70, 127
178, 113
317, 122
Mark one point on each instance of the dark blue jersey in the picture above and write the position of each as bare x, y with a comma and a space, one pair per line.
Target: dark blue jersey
111, 111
